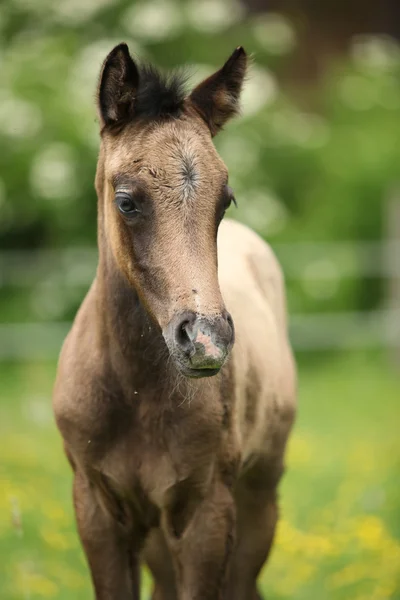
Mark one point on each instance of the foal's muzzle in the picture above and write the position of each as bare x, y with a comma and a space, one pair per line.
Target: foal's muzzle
199, 344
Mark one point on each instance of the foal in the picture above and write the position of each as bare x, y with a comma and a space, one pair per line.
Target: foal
176, 450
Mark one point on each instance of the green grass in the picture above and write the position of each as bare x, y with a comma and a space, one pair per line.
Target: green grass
339, 534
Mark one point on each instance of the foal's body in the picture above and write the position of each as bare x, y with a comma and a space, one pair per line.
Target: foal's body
178, 472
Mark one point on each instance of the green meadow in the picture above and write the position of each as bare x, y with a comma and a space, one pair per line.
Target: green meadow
339, 532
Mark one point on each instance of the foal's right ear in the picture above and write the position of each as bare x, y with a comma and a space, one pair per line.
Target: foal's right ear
119, 80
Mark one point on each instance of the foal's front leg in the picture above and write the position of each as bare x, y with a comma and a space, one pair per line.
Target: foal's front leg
202, 550
113, 569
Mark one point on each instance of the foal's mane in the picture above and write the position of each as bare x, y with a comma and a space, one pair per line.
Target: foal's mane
160, 94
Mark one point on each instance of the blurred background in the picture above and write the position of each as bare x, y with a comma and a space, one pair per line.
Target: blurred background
314, 162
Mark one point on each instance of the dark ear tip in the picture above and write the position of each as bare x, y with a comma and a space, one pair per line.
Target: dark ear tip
240, 51
118, 53
122, 47
238, 57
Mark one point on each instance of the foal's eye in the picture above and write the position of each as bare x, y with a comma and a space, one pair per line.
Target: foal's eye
126, 204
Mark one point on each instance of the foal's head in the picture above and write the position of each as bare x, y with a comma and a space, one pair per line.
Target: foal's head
165, 190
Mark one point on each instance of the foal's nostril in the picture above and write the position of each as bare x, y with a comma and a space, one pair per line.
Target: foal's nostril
199, 342
182, 337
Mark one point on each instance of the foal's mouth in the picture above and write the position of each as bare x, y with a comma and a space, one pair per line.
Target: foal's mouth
198, 373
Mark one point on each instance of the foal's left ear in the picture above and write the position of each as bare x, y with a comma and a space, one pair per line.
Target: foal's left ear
216, 99
119, 80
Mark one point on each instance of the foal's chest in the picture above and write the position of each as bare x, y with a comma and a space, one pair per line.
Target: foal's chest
155, 446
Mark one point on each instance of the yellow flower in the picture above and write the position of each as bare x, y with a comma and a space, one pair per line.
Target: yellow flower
27, 583
350, 574
42, 586
370, 531
54, 512
66, 577
300, 451
55, 539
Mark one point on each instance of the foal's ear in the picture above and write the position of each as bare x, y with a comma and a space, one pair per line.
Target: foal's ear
216, 99
119, 80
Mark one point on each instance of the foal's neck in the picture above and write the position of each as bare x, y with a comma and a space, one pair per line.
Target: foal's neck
133, 341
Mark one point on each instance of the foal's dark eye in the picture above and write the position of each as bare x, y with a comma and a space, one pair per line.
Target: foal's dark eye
126, 204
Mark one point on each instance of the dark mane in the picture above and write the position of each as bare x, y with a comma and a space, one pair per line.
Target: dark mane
160, 94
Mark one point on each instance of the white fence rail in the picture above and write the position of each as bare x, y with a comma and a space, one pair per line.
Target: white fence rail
75, 267
348, 331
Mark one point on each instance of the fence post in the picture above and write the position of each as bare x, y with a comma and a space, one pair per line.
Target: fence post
392, 259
